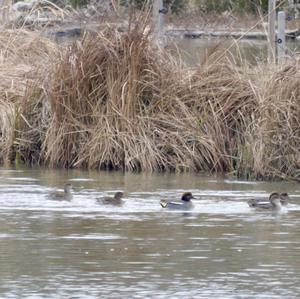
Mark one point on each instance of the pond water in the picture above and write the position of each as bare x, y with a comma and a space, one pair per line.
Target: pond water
193, 51
252, 51
80, 249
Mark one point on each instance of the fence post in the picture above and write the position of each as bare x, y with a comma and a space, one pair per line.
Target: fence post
271, 30
158, 20
281, 48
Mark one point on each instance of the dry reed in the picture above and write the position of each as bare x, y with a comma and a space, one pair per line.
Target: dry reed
24, 58
114, 101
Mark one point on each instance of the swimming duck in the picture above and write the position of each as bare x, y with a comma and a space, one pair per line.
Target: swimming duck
116, 200
274, 204
185, 203
65, 195
284, 199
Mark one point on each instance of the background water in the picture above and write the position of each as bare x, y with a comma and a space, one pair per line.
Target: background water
253, 52
80, 249
193, 51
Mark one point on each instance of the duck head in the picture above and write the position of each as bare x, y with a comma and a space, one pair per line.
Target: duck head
252, 202
187, 196
284, 198
275, 200
67, 188
118, 195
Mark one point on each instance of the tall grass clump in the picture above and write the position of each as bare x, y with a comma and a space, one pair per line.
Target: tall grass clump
24, 59
117, 102
279, 125
226, 104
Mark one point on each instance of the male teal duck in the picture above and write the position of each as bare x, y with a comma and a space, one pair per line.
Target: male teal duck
273, 204
185, 203
116, 200
58, 195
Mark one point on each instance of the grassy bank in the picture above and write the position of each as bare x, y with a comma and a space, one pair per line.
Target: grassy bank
114, 101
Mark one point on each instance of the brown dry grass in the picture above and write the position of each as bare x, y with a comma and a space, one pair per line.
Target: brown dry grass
24, 58
279, 125
114, 101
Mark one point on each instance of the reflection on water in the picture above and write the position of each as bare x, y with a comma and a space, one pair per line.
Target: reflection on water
80, 249
193, 51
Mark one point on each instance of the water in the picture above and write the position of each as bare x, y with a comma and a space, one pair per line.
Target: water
80, 249
254, 52
193, 51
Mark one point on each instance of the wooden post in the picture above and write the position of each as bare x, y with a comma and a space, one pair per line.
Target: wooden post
158, 20
5, 6
281, 37
271, 31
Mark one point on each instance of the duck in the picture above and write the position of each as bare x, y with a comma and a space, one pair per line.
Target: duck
116, 200
58, 195
274, 204
284, 199
185, 203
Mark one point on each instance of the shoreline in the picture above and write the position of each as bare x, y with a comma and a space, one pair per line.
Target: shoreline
194, 34
77, 31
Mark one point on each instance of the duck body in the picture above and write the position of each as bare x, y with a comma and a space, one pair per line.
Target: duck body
116, 200
60, 196
275, 203
184, 205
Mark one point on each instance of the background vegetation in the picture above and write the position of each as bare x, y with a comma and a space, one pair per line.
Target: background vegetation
250, 6
218, 6
112, 100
